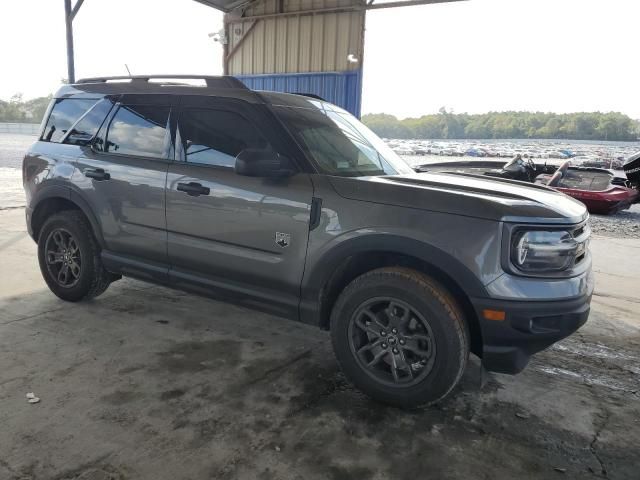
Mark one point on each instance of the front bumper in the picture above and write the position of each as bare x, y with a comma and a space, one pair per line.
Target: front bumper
528, 327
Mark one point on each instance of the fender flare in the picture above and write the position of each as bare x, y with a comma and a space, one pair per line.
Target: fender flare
71, 195
330, 261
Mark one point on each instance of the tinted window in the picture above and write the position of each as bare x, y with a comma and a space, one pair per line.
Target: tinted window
138, 130
215, 137
89, 124
64, 114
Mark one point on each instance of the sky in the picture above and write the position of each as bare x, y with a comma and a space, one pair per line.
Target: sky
474, 56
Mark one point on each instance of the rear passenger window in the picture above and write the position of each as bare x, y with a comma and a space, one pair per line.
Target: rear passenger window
88, 125
215, 137
66, 111
139, 130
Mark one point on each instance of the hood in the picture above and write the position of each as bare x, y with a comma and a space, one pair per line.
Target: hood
466, 194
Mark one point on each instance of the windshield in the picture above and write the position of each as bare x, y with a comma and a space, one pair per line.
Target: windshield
339, 144
514, 165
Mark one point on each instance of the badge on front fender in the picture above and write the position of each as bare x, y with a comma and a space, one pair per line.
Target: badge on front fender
283, 239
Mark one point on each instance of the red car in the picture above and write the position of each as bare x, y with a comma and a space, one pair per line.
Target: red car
597, 188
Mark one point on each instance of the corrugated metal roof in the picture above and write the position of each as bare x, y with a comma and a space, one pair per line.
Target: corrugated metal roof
309, 43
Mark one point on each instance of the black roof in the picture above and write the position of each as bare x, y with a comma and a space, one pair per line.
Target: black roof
222, 86
219, 86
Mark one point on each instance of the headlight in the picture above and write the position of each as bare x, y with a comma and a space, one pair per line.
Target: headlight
541, 251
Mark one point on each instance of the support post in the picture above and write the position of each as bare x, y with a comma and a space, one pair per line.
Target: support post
68, 20
69, 14
225, 50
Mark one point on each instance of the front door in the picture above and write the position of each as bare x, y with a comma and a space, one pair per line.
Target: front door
237, 237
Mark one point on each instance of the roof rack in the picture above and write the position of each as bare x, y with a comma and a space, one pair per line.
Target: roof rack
225, 81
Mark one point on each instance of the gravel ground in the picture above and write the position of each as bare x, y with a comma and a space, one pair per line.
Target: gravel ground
624, 224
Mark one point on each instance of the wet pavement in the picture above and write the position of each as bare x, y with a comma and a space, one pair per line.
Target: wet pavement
146, 382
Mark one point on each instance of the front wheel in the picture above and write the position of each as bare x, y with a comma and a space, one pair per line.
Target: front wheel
400, 337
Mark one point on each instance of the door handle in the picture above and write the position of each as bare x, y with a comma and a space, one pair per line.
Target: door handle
193, 189
97, 174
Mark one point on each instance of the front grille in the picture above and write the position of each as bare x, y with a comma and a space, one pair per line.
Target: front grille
581, 235
578, 231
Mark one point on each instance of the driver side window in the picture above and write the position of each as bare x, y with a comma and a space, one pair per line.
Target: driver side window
215, 137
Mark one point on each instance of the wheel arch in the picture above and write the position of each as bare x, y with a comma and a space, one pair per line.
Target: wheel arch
54, 199
339, 266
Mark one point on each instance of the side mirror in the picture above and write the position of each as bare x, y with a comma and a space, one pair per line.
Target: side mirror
256, 162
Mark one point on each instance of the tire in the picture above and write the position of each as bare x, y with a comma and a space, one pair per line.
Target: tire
435, 325
89, 279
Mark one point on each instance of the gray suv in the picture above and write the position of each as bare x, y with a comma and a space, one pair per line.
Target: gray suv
288, 204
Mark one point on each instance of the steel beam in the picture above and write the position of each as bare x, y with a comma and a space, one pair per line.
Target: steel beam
352, 8
406, 3
76, 8
229, 53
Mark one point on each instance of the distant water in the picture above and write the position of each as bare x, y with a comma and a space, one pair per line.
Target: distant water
12, 149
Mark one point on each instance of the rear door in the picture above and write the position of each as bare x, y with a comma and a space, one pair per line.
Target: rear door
242, 237
123, 176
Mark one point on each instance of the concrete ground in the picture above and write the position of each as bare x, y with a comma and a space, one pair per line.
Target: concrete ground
146, 382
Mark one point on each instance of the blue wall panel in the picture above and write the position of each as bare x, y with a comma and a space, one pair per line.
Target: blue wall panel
341, 88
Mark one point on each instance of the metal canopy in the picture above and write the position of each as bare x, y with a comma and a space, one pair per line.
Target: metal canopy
228, 6
225, 5
238, 13
236, 8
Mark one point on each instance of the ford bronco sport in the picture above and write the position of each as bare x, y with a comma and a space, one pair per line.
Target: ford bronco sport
288, 204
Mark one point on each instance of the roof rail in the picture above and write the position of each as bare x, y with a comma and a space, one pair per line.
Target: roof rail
310, 95
225, 81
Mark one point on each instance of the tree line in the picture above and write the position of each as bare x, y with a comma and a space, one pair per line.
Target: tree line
21, 111
443, 125
448, 125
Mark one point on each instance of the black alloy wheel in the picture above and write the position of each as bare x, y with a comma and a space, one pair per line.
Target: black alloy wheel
62, 254
392, 341
70, 257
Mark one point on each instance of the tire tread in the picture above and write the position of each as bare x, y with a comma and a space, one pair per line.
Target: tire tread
432, 288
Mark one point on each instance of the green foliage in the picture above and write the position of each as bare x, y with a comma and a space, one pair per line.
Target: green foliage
18, 110
444, 125
448, 125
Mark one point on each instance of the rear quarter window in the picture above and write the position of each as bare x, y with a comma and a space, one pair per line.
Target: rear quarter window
87, 126
65, 112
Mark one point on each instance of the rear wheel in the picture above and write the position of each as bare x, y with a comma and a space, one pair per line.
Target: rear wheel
69, 257
400, 337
